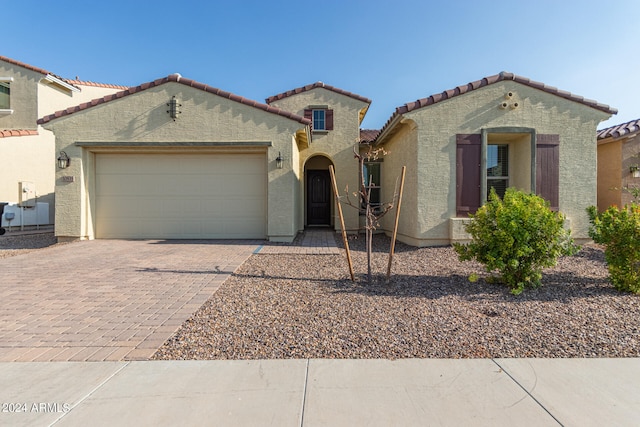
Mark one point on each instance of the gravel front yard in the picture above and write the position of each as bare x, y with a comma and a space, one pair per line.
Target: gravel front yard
305, 306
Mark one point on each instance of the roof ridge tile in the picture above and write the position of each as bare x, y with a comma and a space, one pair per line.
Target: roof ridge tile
77, 82
622, 129
180, 80
17, 132
312, 86
486, 81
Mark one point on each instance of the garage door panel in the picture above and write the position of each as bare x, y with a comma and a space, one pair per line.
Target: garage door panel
174, 185
242, 208
120, 185
243, 185
212, 207
242, 227
125, 207
127, 227
180, 196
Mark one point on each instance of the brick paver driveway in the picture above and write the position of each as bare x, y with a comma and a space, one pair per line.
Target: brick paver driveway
107, 299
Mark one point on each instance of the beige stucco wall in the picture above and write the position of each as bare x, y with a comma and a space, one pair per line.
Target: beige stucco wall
24, 95
142, 119
32, 97
336, 144
33, 157
609, 174
401, 152
52, 98
438, 124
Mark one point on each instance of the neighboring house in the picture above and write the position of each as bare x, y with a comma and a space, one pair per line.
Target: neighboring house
175, 158
618, 164
501, 131
27, 93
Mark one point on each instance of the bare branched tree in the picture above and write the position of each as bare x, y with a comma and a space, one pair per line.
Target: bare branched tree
372, 212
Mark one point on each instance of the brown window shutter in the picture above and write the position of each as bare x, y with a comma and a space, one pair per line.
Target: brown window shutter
548, 168
328, 119
308, 114
468, 152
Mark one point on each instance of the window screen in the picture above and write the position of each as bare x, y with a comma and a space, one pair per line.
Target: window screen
497, 169
4, 96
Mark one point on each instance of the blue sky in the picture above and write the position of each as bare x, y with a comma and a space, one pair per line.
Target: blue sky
391, 52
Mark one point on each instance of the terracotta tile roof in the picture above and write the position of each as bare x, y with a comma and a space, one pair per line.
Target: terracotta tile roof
623, 129
94, 84
27, 66
17, 132
315, 86
177, 78
368, 135
460, 90
45, 73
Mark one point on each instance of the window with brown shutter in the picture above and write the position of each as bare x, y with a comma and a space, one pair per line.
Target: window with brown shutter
322, 118
469, 177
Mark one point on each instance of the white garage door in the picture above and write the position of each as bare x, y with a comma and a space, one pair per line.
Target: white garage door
180, 196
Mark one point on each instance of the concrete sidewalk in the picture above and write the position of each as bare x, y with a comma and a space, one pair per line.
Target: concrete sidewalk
407, 392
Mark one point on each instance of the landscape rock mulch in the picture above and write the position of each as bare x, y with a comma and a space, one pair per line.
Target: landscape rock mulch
292, 306
12, 245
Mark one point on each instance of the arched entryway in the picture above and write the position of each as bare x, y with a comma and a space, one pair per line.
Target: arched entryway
318, 194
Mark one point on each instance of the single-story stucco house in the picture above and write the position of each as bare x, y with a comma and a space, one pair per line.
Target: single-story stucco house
500, 131
174, 158
26, 94
618, 164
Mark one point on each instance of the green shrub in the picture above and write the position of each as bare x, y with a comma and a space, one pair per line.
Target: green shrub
619, 231
517, 237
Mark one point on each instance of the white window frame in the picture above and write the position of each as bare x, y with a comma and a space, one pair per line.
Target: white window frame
323, 119
7, 80
376, 185
504, 178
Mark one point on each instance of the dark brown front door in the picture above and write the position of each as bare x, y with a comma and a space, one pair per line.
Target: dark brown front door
318, 197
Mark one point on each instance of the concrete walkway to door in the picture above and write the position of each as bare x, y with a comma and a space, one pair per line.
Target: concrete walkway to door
108, 300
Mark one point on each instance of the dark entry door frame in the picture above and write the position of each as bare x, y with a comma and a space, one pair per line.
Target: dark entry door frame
318, 197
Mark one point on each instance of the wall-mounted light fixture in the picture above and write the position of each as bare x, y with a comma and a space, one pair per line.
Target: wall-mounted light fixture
279, 161
634, 171
63, 160
173, 108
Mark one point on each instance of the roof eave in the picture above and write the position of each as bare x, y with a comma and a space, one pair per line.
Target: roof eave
316, 85
362, 113
176, 78
56, 80
389, 127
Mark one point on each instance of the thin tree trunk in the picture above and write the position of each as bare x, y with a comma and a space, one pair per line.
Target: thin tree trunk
369, 238
395, 226
342, 227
